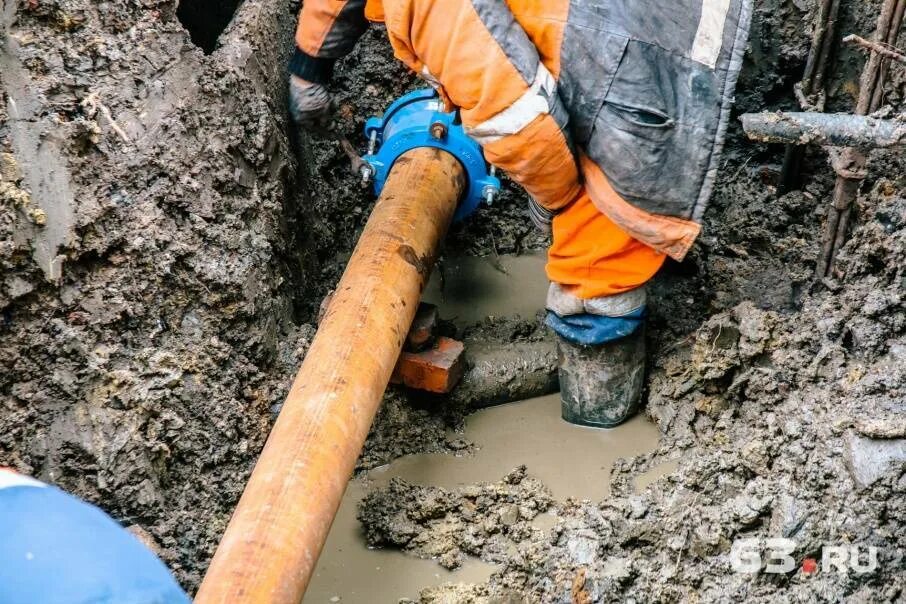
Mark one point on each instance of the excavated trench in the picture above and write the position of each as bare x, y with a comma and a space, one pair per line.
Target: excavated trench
159, 285
566, 461
205, 20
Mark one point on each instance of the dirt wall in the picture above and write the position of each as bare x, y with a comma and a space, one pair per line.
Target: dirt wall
151, 258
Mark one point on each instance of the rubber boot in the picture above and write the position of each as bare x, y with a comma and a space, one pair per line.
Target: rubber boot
601, 386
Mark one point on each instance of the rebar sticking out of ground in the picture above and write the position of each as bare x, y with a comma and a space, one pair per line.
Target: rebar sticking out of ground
851, 163
812, 84
890, 42
886, 51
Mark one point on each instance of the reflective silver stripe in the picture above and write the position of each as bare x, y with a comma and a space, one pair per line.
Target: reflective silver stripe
8, 479
521, 113
497, 18
737, 53
565, 304
710, 35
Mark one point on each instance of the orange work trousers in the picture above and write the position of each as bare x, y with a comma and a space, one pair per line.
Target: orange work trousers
591, 257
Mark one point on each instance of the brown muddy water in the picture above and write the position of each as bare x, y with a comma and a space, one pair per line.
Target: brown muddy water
468, 289
571, 461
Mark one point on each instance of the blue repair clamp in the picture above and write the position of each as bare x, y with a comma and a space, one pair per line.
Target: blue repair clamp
418, 119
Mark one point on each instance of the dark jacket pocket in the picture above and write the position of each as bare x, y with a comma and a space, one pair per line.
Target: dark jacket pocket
644, 119
645, 137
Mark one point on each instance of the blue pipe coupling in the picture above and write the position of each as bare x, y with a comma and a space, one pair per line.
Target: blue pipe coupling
418, 119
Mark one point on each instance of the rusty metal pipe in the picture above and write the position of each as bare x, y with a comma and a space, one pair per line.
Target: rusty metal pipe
275, 536
836, 129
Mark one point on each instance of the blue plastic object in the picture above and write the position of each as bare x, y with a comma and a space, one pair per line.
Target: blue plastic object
418, 119
55, 549
593, 330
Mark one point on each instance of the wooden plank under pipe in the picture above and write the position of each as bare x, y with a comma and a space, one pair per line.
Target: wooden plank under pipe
275, 536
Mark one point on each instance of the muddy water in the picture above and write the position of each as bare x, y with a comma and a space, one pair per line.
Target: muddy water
642, 481
468, 289
572, 461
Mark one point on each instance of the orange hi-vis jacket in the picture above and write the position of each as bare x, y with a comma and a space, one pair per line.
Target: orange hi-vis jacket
617, 104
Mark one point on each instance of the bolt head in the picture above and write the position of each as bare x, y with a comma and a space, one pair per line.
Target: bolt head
489, 193
367, 172
438, 130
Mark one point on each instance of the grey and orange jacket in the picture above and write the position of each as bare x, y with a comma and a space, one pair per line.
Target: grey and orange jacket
629, 98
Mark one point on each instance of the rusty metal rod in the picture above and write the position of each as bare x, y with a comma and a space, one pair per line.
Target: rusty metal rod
816, 68
888, 52
822, 44
892, 34
275, 536
872, 67
835, 129
852, 163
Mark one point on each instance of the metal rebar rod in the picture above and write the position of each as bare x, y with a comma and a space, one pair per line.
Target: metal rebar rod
885, 51
275, 536
892, 35
834, 129
872, 66
812, 80
844, 188
818, 35
848, 174
827, 47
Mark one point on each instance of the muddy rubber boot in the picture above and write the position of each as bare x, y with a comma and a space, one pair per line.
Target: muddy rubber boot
601, 385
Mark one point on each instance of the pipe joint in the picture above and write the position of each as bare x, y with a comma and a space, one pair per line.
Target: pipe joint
418, 120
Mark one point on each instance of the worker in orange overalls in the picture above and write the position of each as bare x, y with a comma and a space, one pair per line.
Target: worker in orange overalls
610, 113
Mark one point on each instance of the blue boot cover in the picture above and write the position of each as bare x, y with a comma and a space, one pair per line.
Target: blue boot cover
591, 330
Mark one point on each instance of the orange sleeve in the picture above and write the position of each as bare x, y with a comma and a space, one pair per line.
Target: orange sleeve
486, 65
329, 29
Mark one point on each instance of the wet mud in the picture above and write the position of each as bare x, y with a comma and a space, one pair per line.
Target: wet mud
166, 239
479, 505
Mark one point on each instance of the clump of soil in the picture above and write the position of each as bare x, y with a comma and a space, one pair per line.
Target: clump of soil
409, 423
484, 520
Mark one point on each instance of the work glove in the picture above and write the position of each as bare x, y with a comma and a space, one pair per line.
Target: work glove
310, 105
541, 217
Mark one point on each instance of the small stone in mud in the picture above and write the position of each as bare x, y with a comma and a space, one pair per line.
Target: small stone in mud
637, 507
582, 547
881, 427
619, 568
869, 459
509, 515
